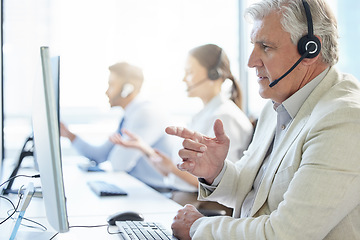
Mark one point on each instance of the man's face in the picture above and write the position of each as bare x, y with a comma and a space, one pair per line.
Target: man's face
113, 92
273, 55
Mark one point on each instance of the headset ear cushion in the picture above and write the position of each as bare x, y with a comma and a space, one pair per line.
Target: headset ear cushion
312, 43
214, 74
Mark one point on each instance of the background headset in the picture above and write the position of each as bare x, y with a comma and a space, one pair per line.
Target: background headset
215, 72
309, 46
126, 90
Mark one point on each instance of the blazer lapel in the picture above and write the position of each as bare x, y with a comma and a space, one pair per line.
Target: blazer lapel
276, 158
263, 138
290, 137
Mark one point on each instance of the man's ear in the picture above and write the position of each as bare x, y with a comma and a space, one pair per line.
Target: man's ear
310, 61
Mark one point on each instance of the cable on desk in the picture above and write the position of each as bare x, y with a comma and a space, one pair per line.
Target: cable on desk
93, 226
7, 199
41, 227
19, 194
54, 236
15, 208
28, 176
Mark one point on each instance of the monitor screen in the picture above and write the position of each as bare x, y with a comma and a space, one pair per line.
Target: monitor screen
47, 146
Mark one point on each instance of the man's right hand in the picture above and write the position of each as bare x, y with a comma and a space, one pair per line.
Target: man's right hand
65, 132
202, 156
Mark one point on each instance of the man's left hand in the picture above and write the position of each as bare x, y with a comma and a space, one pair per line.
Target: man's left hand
183, 221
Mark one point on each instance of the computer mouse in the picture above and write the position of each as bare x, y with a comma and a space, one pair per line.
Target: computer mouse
124, 216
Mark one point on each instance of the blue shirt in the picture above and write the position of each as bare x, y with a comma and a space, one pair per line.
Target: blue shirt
146, 120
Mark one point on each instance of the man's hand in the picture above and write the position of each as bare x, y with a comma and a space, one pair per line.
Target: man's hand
183, 221
65, 132
133, 141
202, 156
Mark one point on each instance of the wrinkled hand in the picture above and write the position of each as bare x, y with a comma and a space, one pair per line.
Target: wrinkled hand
202, 156
183, 221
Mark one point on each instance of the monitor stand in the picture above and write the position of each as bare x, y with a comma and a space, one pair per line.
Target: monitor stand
26, 151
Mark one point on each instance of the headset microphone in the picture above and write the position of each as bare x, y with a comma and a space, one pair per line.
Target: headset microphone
309, 46
273, 83
196, 84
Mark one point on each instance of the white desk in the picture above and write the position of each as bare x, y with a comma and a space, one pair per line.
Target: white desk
86, 209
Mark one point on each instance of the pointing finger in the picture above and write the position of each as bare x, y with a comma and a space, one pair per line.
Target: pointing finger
183, 133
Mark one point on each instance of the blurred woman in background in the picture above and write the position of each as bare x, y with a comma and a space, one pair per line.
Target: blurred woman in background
206, 69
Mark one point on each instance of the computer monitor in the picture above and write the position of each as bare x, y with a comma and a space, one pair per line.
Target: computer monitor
47, 146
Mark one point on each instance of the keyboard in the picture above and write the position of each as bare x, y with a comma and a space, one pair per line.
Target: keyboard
142, 230
102, 188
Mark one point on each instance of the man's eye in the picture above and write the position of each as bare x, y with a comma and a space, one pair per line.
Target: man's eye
264, 46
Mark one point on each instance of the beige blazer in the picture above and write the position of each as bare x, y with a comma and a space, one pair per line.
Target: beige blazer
311, 189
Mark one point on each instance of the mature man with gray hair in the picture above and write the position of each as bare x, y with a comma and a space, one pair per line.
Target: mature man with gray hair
300, 177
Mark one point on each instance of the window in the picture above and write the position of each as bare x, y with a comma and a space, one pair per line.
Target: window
90, 36
154, 34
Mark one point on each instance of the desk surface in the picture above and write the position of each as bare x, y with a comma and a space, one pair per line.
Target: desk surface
84, 208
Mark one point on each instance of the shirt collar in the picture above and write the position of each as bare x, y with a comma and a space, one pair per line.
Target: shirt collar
133, 105
215, 100
295, 101
212, 104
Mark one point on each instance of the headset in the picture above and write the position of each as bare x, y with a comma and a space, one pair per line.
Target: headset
126, 90
309, 46
215, 72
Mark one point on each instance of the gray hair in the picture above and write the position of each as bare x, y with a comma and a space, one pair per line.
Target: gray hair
294, 22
